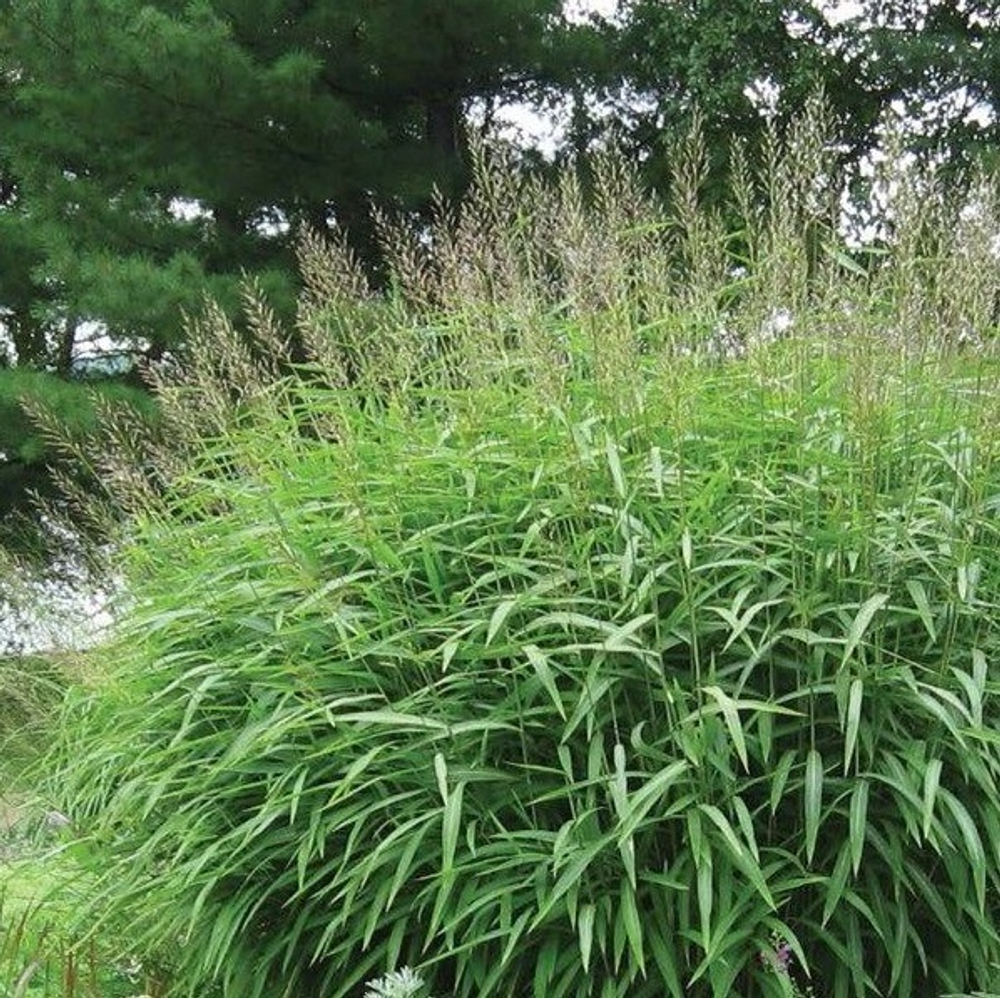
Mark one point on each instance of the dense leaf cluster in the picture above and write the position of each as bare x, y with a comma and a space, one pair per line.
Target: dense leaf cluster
566, 624
564, 704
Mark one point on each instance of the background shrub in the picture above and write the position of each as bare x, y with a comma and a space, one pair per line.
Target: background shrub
554, 631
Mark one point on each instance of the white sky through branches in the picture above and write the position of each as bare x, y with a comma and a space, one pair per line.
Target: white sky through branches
545, 129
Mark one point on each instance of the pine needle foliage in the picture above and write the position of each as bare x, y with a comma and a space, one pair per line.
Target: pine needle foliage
567, 624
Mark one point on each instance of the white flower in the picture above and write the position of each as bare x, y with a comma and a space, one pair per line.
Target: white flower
404, 983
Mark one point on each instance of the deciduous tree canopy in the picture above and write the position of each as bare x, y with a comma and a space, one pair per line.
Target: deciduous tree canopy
933, 63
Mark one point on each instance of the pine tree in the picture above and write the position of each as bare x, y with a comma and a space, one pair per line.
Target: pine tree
166, 148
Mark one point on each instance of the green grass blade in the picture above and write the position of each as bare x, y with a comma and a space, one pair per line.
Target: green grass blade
932, 779
854, 701
731, 715
857, 822
861, 622
812, 801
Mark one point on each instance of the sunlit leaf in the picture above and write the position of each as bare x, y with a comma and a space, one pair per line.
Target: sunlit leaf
853, 721
861, 622
857, 827
812, 800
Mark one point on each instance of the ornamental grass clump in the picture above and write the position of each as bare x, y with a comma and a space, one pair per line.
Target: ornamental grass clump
538, 637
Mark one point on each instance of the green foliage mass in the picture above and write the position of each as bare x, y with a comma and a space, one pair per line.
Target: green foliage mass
271, 114
74, 404
547, 644
930, 69
710, 55
262, 115
30, 403
30, 688
482, 693
941, 62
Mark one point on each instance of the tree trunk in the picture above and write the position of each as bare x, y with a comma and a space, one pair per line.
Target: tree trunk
64, 354
444, 127
30, 348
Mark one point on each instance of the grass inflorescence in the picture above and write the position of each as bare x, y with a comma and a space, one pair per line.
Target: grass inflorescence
609, 608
